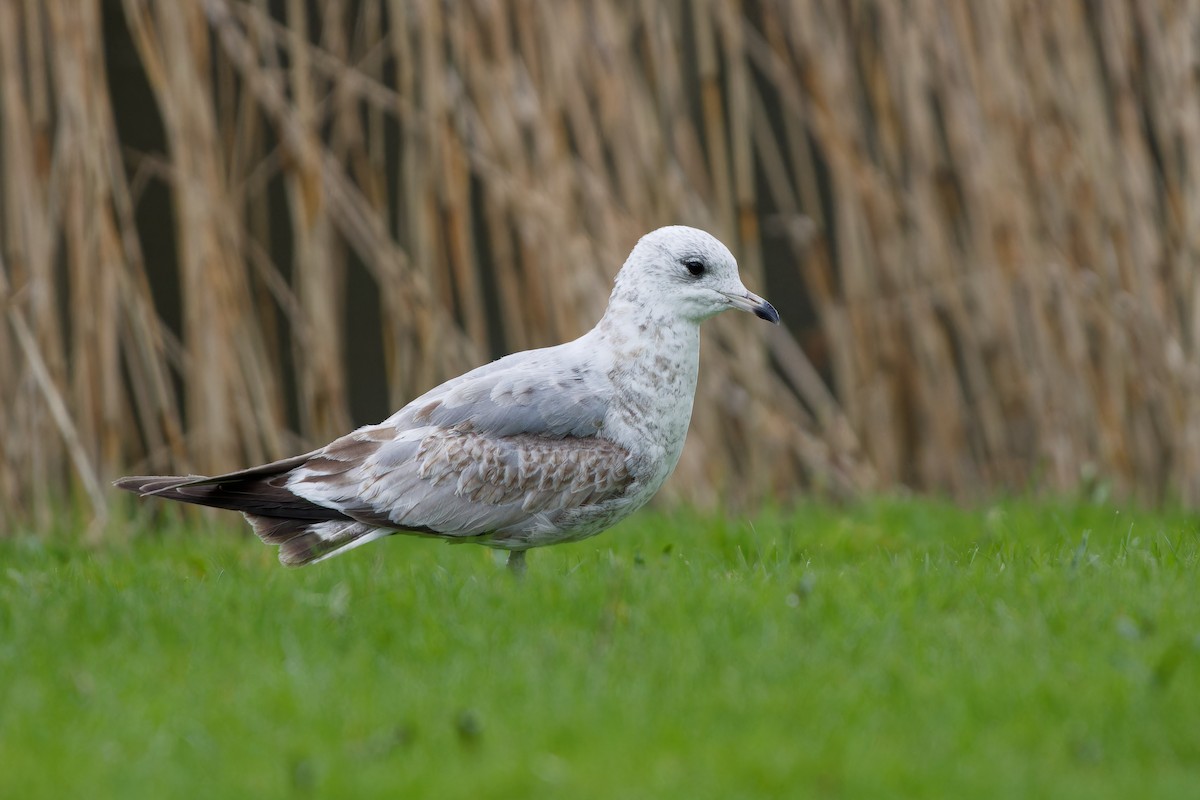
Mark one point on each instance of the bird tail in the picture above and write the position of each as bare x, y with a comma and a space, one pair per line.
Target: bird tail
303, 541
305, 532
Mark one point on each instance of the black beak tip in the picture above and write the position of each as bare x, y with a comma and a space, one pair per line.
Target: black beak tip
767, 311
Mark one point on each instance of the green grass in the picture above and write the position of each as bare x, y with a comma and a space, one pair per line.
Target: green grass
897, 648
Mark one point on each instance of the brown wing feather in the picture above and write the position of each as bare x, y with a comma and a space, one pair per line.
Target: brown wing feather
541, 472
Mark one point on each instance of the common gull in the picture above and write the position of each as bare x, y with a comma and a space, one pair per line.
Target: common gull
539, 447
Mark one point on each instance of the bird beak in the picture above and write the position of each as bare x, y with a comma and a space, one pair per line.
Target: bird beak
748, 301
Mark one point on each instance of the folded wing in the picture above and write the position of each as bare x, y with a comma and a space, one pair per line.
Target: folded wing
484, 453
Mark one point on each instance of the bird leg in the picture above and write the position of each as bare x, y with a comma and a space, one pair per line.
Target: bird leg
516, 562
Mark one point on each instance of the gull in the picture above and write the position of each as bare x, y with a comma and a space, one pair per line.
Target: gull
537, 448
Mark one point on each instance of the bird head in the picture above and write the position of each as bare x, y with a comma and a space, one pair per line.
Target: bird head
687, 273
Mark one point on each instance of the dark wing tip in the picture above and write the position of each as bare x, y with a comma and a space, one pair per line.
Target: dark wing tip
150, 484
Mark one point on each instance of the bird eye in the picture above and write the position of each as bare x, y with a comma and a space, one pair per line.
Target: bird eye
694, 266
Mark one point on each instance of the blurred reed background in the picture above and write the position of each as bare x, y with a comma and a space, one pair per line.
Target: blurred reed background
232, 229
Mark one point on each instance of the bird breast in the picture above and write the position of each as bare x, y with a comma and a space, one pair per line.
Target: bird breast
652, 406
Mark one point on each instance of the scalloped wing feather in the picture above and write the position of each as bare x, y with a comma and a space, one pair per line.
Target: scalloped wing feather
461, 483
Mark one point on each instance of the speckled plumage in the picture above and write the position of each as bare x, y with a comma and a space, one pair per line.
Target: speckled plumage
539, 447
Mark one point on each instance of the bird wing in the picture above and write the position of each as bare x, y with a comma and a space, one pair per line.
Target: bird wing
505, 443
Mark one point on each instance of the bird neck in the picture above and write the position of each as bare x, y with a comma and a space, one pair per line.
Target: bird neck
649, 337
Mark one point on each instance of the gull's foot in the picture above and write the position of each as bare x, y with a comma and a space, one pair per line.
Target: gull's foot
516, 562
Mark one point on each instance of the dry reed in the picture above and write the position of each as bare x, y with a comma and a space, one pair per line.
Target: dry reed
990, 208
